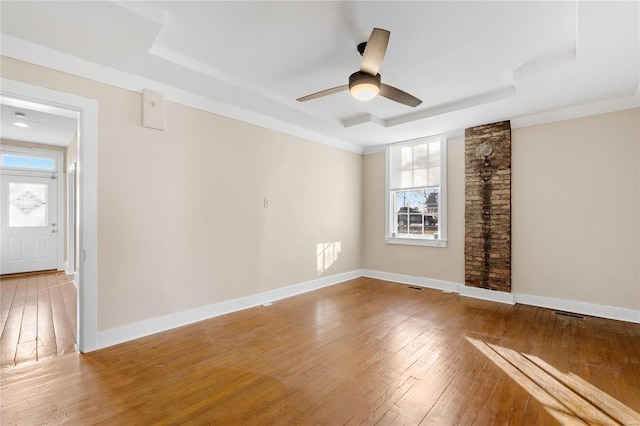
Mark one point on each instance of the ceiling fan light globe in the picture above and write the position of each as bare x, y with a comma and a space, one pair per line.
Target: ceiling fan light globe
364, 91
363, 86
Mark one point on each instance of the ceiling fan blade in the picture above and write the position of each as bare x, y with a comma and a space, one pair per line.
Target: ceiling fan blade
323, 93
375, 50
398, 95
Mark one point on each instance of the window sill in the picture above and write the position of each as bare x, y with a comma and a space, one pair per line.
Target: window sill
416, 242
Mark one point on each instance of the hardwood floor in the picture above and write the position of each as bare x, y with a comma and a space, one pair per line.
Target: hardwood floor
38, 317
361, 352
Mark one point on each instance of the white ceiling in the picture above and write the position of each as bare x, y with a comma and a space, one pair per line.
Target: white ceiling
46, 124
470, 62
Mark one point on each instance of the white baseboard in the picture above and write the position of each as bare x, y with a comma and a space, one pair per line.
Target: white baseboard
411, 280
463, 290
144, 328
484, 294
156, 325
584, 308
602, 311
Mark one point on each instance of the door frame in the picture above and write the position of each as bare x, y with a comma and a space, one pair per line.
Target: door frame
71, 206
60, 197
87, 176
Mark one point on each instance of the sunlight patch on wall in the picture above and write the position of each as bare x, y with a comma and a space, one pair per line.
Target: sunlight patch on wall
327, 255
566, 397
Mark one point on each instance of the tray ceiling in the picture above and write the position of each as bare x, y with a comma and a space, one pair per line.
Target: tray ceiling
470, 62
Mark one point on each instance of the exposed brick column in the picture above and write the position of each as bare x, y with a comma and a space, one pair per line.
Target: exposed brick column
488, 206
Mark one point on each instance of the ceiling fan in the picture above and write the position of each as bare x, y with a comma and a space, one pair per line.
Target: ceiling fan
366, 83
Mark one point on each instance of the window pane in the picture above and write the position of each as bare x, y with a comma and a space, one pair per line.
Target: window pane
410, 166
403, 223
419, 178
431, 222
416, 213
28, 204
9, 160
41, 163
434, 154
406, 157
27, 162
434, 177
420, 156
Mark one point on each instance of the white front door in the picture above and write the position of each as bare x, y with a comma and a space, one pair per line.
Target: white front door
29, 217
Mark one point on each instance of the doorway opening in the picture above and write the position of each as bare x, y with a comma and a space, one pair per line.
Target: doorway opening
38, 144
76, 210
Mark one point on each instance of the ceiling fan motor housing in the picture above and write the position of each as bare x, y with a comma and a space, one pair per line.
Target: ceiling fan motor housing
364, 86
361, 47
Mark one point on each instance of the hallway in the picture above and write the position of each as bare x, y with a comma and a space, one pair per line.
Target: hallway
38, 314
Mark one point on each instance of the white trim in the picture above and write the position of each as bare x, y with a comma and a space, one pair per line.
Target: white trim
376, 149
70, 226
87, 278
30, 52
60, 224
36, 54
150, 326
416, 242
594, 108
584, 308
485, 294
411, 280
463, 290
167, 322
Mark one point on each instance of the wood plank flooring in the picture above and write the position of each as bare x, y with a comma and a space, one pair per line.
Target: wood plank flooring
38, 317
361, 352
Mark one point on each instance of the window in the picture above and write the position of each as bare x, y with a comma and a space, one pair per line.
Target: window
416, 192
24, 161
28, 204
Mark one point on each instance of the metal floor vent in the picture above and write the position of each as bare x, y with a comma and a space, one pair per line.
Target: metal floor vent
569, 314
415, 288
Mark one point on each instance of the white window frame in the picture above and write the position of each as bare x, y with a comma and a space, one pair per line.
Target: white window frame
442, 197
29, 153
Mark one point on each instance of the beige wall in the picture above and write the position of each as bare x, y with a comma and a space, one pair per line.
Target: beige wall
446, 264
181, 222
575, 217
575, 209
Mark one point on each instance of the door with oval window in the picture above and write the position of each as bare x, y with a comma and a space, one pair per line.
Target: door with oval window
29, 222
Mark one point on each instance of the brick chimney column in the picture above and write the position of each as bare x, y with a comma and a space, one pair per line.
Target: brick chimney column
488, 206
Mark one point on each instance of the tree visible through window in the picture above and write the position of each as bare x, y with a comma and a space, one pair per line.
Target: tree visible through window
415, 191
417, 212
